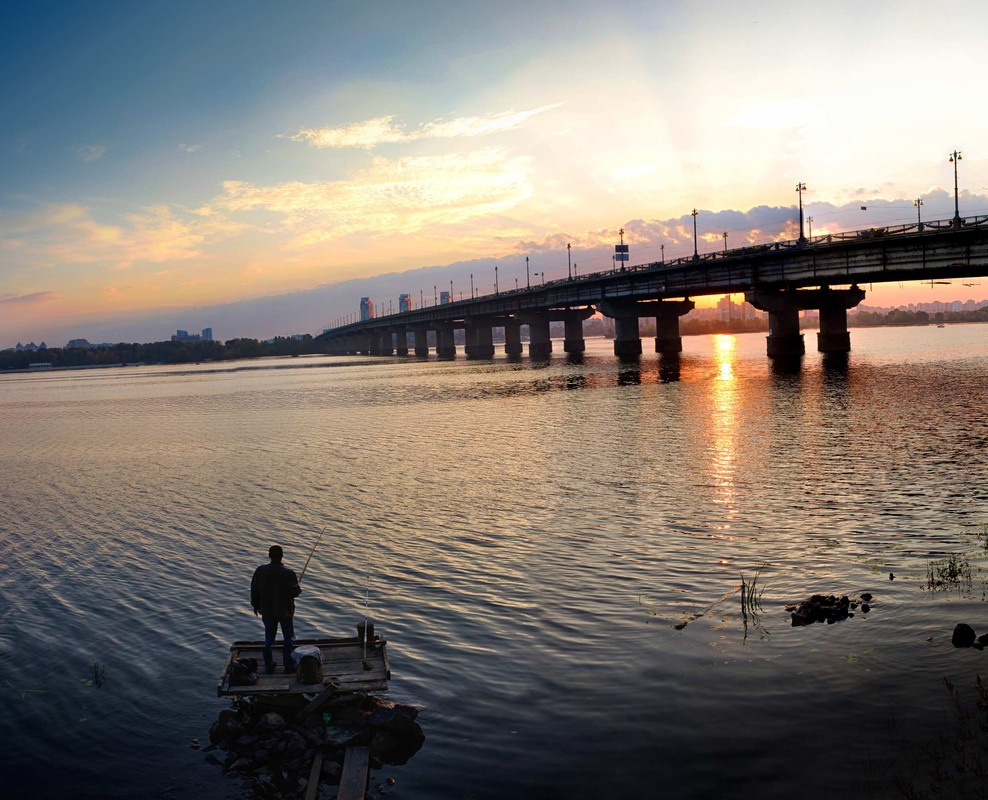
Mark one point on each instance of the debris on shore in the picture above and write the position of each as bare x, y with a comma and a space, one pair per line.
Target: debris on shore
273, 747
828, 608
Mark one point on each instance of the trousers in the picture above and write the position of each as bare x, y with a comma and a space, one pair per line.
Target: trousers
287, 633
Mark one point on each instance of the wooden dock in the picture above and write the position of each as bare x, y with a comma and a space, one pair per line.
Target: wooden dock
343, 667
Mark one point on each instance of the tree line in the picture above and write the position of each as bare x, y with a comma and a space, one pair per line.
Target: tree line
161, 352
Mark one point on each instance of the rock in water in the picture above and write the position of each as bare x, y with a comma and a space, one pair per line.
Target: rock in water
963, 635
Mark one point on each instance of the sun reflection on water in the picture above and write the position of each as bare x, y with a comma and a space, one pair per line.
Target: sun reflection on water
724, 391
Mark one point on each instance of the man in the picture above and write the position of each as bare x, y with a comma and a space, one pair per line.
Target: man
273, 590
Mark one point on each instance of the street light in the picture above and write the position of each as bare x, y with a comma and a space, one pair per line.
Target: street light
696, 254
435, 296
451, 298
918, 202
528, 278
800, 188
663, 248
471, 286
809, 221
543, 278
569, 267
495, 279
725, 242
574, 271
955, 157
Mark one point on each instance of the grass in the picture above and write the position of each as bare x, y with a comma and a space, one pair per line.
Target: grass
952, 572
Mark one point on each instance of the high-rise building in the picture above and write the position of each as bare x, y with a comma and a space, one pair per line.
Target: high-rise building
404, 302
207, 334
445, 297
366, 309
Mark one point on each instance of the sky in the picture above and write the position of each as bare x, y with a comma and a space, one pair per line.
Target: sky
258, 167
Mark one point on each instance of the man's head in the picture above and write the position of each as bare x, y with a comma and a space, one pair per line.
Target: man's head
275, 553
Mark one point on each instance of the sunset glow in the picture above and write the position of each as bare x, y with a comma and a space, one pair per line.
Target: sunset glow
259, 168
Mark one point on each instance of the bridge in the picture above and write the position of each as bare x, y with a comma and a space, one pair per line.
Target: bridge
782, 278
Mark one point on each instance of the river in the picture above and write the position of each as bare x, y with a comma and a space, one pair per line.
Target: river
530, 538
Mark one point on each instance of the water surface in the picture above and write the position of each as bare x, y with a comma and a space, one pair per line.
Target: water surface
530, 537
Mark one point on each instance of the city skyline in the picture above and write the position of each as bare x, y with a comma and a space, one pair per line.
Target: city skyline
265, 168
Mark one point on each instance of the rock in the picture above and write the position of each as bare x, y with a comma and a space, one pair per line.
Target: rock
240, 765
866, 596
247, 740
331, 771
271, 721
983, 639
212, 758
963, 635
341, 737
398, 742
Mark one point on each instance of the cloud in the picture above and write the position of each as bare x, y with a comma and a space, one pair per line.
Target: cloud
390, 196
381, 130
91, 152
189, 148
68, 233
776, 115
33, 299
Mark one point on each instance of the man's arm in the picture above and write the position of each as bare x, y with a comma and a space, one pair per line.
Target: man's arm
255, 592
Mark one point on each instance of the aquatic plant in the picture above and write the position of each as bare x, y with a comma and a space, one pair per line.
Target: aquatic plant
952, 572
751, 606
958, 758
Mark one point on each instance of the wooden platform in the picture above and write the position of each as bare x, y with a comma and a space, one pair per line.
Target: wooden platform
342, 665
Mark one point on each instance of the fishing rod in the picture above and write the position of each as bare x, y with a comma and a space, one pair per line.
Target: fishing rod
323, 533
366, 663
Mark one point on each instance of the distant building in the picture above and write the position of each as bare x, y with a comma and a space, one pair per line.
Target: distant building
31, 347
445, 297
404, 302
185, 336
366, 309
78, 343
40, 365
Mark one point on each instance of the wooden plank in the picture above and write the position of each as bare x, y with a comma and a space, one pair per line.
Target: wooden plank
317, 702
353, 780
314, 774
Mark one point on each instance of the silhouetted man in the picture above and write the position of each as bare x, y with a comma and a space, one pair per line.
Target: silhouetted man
273, 590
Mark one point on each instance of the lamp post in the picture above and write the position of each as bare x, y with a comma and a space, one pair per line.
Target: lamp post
613, 264
918, 202
725, 242
800, 188
696, 254
471, 286
543, 277
569, 266
421, 299
809, 222
662, 247
574, 271
955, 157
528, 277
451, 292
435, 296
495, 279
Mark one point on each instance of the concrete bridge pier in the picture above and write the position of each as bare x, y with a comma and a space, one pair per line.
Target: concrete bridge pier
627, 340
573, 341
479, 339
421, 341
783, 307
352, 345
834, 336
445, 344
667, 314
401, 341
366, 343
512, 337
385, 346
539, 339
